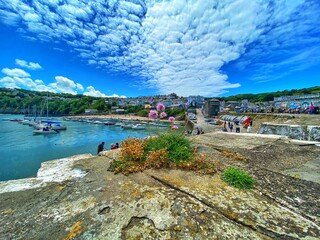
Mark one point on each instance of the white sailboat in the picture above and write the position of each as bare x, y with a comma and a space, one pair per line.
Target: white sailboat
48, 126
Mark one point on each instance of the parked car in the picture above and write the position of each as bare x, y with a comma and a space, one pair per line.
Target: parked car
213, 122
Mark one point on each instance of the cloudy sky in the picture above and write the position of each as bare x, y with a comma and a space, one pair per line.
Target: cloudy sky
134, 48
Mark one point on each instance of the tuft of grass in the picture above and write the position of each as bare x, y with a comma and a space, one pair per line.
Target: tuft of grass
238, 178
178, 147
166, 150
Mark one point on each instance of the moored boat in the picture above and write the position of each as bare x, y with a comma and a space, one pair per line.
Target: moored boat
44, 131
50, 125
127, 126
138, 127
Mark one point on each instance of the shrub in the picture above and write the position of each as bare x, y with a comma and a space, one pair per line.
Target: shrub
178, 147
132, 149
157, 159
237, 178
166, 150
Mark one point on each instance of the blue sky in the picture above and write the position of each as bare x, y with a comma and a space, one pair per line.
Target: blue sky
133, 48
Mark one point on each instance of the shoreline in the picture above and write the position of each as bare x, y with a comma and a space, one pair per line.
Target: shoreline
122, 117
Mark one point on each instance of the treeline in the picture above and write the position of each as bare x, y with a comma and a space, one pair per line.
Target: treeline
20, 101
266, 97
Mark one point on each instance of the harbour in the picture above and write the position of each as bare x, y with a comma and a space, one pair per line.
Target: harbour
22, 152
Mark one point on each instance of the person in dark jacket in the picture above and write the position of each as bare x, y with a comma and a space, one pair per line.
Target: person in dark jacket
100, 148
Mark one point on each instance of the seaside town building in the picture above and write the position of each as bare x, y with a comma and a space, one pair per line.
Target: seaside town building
196, 101
212, 107
90, 111
301, 101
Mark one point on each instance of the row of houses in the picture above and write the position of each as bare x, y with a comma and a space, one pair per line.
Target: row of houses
290, 104
211, 107
170, 101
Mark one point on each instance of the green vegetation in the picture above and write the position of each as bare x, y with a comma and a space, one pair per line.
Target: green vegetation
265, 97
178, 113
237, 178
177, 146
20, 101
166, 150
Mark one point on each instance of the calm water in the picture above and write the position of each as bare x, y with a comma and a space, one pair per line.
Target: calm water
21, 152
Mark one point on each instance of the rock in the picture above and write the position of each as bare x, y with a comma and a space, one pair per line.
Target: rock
50, 171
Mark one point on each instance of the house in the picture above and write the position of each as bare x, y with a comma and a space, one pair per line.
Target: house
90, 111
120, 111
177, 106
147, 106
167, 103
232, 105
196, 101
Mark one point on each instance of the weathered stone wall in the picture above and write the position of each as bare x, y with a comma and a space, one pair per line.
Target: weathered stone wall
300, 132
189, 123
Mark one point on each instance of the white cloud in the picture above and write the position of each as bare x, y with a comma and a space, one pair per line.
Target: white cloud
175, 46
30, 65
15, 72
32, 17
65, 85
18, 78
116, 96
79, 87
38, 81
8, 82
93, 92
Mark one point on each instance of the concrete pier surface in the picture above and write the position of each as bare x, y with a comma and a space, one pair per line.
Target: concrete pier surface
83, 200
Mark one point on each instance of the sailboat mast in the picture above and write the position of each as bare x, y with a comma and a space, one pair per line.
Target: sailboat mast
47, 108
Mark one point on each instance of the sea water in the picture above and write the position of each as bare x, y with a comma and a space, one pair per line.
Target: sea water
22, 152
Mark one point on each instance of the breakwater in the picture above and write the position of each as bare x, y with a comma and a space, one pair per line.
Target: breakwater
300, 132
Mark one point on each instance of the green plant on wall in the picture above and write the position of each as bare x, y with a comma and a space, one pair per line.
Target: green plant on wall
237, 178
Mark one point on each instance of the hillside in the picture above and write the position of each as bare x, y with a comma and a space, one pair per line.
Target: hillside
265, 97
21, 101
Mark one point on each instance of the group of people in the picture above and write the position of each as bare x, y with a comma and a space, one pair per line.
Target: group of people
247, 124
199, 131
101, 147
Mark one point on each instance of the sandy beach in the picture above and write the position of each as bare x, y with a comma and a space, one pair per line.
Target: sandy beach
123, 117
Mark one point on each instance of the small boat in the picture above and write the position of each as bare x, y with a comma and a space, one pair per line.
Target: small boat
127, 126
138, 127
108, 123
45, 131
58, 126
50, 125
25, 122
15, 120
119, 124
98, 122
